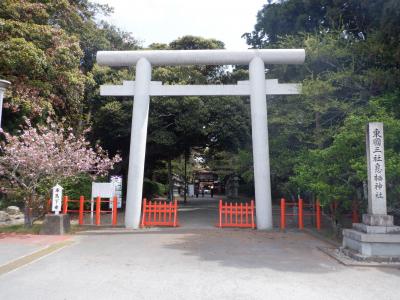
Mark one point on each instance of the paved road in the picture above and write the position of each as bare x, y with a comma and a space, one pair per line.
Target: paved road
196, 264
14, 246
199, 212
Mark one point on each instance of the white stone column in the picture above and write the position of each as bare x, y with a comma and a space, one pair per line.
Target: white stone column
137, 153
376, 169
3, 86
259, 125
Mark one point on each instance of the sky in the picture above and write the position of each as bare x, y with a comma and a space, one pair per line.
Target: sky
163, 21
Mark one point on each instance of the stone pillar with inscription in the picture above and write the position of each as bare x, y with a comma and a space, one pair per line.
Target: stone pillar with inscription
376, 238
56, 224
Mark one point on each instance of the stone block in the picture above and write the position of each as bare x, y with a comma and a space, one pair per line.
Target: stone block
4, 217
365, 260
377, 220
376, 229
19, 221
56, 224
13, 210
369, 244
371, 237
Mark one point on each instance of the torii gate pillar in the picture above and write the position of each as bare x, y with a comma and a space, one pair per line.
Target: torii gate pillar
259, 127
137, 152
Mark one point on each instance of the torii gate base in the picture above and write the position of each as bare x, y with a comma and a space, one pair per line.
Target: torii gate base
143, 88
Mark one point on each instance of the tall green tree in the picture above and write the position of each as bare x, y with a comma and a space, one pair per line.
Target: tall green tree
351, 59
288, 17
48, 50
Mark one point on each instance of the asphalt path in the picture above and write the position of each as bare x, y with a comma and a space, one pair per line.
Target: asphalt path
195, 261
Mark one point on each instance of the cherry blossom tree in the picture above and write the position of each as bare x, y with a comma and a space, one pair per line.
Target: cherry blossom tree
41, 157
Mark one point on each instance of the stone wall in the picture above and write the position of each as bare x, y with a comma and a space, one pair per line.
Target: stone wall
11, 216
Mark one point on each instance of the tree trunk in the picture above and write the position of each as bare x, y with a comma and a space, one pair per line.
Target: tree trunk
318, 129
28, 212
335, 222
170, 183
186, 187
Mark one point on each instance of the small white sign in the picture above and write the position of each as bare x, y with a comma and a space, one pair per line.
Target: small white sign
103, 190
56, 199
117, 181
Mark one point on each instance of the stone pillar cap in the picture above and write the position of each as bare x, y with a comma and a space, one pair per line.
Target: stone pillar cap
4, 83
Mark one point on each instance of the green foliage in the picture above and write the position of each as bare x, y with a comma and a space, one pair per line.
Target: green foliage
76, 186
350, 77
246, 189
338, 172
48, 50
21, 229
152, 189
226, 163
288, 17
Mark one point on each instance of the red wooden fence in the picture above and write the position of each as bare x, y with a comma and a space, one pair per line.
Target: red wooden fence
300, 213
98, 210
236, 215
159, 213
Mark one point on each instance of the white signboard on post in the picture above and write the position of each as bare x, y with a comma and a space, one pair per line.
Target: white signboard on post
376, 169
56, 199
107, 190
117, 182
103, 190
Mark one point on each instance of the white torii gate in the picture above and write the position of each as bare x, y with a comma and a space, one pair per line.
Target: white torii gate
257, 87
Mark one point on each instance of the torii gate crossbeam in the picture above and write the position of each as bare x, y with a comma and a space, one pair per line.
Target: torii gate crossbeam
257, 87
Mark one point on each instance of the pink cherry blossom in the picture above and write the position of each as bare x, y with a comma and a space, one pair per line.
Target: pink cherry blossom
49, 154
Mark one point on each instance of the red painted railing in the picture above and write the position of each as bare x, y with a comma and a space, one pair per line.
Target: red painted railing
81, 210
236, 215
159, 213
300, 213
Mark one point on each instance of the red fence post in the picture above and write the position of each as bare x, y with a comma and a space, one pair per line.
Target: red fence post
65, 205
253, 225
300, 212
241, 213
220, 213
246, 207
165, 211
81, 207
175, 211
170, 210
283, 213
114, 211
318, 217
144, 213
230, 212
98, 206
236, 213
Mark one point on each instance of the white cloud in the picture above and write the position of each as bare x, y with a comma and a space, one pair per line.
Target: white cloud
165, 20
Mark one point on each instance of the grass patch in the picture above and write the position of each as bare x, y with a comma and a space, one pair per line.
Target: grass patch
21, 229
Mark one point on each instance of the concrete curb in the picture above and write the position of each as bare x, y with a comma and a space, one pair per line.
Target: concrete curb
321, 237
29, 258
349, 262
